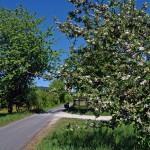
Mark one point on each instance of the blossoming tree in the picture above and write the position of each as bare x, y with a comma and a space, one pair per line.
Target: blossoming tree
113, 67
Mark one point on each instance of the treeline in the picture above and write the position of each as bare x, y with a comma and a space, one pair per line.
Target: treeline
40, 98
25, 53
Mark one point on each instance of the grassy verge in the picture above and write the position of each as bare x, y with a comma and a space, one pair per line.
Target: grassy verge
6, 119
61, 138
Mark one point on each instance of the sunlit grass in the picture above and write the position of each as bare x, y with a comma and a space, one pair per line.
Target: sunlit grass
6, 118
61, 138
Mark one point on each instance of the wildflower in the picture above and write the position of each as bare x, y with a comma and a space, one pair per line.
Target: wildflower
91, 124
71, 129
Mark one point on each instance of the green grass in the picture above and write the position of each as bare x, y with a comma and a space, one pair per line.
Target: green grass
6, 118
77, 138
84, 111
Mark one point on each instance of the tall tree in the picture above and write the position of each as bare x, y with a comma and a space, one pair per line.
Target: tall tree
25, 53
112, 68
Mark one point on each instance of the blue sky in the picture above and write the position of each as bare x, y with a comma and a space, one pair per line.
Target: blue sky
49, 8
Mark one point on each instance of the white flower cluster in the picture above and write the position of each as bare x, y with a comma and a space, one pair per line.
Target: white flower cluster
141, 48
126, 77
58, 72
127, 32
90, 41
148, 114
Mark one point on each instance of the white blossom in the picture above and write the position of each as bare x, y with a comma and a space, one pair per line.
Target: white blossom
105, 33
126, 77
140, 63
90, 81
58, 71
88, 41
87, 77
139, 120
49, 74
148, 114
126, 32
93, 42
95, 79
138, 77
96, 109
79, 31
141, 48
146, 106
91, 124
71, 129
95, 32
65, 65
107, 76
129, 50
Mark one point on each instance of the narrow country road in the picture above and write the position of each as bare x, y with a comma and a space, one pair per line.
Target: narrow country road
16, 135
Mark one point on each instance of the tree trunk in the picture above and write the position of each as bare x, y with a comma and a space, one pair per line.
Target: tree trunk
10, 106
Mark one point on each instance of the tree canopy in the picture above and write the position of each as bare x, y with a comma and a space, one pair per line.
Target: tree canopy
112, 68
25, 53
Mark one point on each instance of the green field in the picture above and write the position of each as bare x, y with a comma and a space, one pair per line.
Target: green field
72, 134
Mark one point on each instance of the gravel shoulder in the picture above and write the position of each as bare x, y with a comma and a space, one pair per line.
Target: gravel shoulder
40, 135
85, 117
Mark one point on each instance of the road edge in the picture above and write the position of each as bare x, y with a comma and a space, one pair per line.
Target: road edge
40, 135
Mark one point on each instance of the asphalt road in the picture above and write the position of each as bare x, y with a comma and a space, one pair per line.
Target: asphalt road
16, 135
